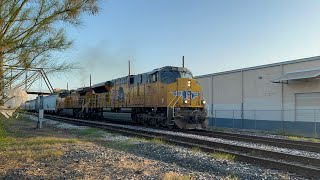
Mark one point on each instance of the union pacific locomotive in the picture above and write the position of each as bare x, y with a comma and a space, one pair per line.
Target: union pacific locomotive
168, 96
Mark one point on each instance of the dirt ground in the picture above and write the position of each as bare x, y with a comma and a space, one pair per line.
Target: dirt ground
55, 153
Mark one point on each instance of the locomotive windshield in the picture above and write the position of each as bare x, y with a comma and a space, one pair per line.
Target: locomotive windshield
168, 77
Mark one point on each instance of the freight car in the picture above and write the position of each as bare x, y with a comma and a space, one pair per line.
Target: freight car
168, 96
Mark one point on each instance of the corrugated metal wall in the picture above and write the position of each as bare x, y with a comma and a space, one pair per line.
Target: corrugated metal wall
249, 94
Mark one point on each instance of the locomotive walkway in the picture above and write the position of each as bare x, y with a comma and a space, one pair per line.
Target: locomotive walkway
302, 165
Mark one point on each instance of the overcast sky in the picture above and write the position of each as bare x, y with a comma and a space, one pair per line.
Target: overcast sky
213, 36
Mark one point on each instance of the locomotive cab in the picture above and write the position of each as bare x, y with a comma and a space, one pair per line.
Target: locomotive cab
184, 99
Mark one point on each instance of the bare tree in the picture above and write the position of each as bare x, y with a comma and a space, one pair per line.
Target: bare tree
30, 30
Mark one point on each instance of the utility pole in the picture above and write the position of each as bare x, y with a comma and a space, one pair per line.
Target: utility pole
1, 78
39, 102
129, 76
1, 64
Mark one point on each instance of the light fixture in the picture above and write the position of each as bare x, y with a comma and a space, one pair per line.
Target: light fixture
186, 101
189, 83
203, 102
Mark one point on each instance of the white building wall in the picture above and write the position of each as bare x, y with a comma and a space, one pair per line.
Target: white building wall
299, 86
227, 95
227, 92
259, 92
207, 82
262, 99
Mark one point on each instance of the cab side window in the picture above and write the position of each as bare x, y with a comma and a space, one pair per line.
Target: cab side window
153, 77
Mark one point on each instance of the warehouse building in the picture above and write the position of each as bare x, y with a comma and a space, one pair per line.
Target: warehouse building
282, 97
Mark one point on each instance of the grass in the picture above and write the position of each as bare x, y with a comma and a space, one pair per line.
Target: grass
21, 146
175, 176
89, 132
232, 177
2, 130
129, 144
121, 145
298, 138
289, 135
222, 156
196, 149
137, 139
32, 148
157, 140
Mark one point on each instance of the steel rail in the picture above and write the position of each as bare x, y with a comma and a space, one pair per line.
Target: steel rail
283, 143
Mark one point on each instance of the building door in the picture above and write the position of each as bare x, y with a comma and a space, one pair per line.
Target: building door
307, 107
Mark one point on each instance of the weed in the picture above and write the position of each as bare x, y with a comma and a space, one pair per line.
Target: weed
137, 139
89, 132
295, 138
298, 138
222, 156
2, 129
32, 153
196, 149
175, 176
285, 176
121, 145
32, 148
157, 140
315, 140
232, 177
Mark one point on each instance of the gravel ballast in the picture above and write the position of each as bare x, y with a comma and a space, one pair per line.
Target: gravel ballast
168, 158
238, 143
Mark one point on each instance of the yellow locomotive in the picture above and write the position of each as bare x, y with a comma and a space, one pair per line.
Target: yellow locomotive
167, 96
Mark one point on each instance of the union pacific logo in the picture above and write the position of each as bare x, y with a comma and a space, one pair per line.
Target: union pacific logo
185, 94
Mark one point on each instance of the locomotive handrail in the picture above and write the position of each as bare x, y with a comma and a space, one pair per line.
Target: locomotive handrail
169, 106
174, 105
171, 101
86, 104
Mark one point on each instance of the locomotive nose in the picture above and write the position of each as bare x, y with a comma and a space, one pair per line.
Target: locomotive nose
186, 83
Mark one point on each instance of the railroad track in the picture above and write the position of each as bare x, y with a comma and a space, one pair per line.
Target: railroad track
282, 143
305, 166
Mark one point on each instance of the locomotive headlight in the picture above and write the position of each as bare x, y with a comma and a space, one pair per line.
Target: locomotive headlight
185, 101
203, 102
189, 83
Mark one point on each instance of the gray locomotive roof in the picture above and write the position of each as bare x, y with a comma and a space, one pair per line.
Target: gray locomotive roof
99, 84
144, 74
84, 89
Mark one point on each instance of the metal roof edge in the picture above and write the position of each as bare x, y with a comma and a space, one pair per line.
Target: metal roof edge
314, 58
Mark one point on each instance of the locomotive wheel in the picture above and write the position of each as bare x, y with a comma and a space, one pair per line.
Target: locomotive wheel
152, 121
145, 122
170, 126
157, 124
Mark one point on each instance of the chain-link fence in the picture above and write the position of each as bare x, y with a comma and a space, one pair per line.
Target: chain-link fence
304, 122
